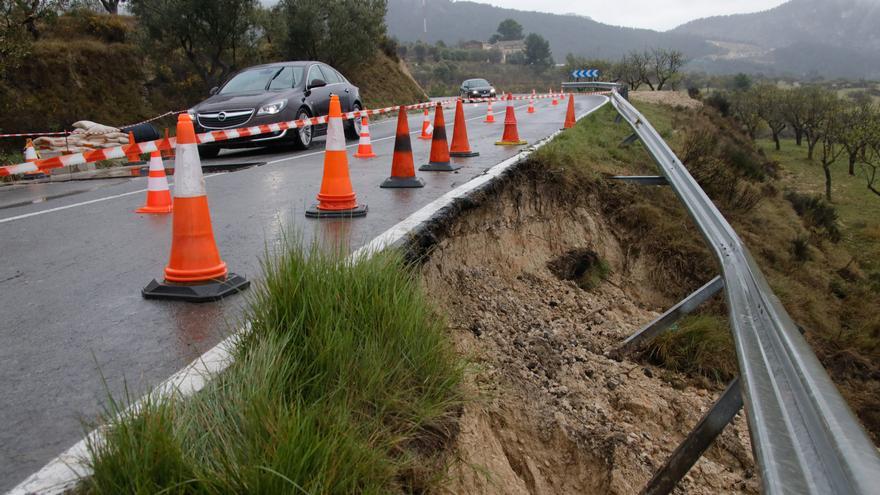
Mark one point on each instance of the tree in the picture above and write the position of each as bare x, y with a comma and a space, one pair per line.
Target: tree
28, 13
829, 127
870, 163
770, 109
819, 106
343, 33
538, 51
633, 70
111, 6
421, 51
855, 134
211, 34
510, 30
741, 82
794, 108
745, 107
665, 65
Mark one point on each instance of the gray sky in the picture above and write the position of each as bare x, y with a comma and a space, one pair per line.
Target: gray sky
652, 14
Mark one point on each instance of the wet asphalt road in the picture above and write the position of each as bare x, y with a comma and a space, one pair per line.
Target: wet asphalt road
70, 302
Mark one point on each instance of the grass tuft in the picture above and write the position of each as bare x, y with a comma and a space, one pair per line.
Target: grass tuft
346, 383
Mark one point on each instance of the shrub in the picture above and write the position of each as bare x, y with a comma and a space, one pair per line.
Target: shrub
800, 249
816, 213
694, 93
719, 102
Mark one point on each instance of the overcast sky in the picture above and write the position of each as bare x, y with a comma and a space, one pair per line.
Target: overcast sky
652, 14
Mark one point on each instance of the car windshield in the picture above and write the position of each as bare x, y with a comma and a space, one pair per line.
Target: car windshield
255, 80
476, 83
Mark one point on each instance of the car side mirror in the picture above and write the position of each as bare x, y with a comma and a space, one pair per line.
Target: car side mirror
317, 83
214, 90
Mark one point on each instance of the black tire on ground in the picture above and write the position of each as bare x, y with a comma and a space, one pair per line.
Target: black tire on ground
352, 131
208, 151
143, 132
298, 141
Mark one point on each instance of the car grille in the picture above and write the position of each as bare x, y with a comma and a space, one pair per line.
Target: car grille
224, 120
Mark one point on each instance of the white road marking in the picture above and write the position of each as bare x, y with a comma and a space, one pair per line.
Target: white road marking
63, 472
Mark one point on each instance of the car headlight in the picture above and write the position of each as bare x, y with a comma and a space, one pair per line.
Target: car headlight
492, 91
475, 92
192, 113
272, 108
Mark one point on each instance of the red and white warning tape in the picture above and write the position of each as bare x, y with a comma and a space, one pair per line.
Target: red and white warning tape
215, 136
32, 134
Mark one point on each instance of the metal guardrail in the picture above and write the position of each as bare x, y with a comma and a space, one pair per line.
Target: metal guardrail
804, 436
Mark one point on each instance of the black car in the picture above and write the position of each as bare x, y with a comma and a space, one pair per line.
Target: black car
477, 88
272, 93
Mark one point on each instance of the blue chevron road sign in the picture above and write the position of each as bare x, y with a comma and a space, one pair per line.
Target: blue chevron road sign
585, 73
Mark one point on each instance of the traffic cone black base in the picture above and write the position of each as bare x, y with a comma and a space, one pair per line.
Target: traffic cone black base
463, 154
315, 212
439, 167
402, 182
203, 292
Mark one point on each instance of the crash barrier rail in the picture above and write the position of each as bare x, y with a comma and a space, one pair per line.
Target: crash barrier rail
804, 436
220, 135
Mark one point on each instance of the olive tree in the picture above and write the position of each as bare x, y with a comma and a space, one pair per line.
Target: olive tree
820, 106
855, 134
213, 35
794, 108
343, 33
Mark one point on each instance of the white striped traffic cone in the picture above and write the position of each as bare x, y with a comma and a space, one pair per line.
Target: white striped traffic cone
365, 146
490, 117
158, 195
195, 271
531, 108
427, 128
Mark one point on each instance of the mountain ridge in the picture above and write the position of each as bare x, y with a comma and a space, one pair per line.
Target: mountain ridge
831, 38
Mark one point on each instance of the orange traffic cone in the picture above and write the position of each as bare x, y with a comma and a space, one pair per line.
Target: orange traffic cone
158, 195
490, 117
131, 151
439, 159
30, 156
427, 130
511, 134
531, 106
365, 146
569, 114
336, 198
195, 271
169, 152
461, 147
555, 99
403, 172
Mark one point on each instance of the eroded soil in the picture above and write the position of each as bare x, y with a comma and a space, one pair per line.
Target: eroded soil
553, 414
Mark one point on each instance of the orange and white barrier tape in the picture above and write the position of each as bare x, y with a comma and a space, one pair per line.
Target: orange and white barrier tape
208, 137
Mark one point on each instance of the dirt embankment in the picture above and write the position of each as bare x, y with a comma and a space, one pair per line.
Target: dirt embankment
537, 289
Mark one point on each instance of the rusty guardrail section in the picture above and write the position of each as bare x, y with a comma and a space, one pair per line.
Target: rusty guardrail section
804, 437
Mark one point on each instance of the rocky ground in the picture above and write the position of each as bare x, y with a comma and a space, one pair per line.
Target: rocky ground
536, 294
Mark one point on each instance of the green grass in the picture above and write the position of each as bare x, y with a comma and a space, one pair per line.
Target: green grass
697, 345
857, 207
345, 384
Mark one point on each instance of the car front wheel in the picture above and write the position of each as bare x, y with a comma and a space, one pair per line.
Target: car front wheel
302, 137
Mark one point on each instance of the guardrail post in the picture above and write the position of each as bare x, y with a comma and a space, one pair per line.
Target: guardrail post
629, 140
691, 449
667, 319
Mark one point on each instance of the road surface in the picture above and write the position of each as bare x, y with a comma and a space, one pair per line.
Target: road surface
76, 257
